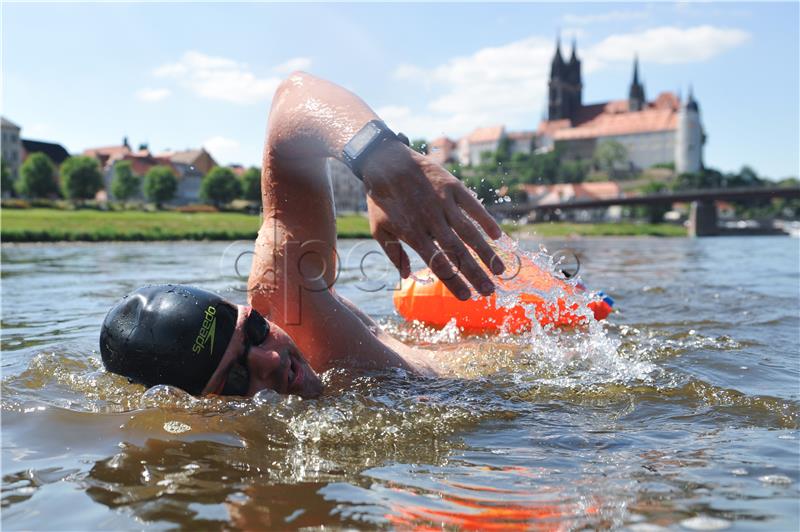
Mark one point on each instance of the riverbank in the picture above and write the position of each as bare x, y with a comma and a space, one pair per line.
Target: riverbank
53, 225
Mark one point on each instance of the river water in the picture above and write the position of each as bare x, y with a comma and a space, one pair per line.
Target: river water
680, 412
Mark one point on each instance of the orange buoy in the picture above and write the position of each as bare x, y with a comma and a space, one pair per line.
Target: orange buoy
430, 302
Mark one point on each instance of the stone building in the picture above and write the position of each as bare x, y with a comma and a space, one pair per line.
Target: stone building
349, 194
664, 130
12, 146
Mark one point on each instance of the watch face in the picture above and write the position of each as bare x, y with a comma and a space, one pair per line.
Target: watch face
361, 140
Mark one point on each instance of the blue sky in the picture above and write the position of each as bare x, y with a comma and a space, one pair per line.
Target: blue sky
189, 74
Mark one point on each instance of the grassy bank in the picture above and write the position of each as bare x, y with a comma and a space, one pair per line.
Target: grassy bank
53, 225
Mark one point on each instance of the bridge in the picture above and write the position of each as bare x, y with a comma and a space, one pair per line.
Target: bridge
703, 214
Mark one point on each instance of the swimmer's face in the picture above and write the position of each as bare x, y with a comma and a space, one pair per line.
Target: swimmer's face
262, 363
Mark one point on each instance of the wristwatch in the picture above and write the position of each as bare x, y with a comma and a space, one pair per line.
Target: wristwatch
369, 137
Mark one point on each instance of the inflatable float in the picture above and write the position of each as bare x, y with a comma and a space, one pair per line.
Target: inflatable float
424, 298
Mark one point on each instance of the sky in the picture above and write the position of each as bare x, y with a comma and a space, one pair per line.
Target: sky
183, 75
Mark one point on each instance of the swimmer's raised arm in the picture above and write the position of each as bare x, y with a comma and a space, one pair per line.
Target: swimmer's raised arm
409, 197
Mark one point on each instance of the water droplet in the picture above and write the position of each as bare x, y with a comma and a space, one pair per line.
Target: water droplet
776, 479
703, 522
176, 427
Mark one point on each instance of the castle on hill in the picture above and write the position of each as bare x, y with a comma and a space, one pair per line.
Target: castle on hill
662, 130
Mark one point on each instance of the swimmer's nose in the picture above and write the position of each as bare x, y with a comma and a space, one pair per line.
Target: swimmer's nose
266, 361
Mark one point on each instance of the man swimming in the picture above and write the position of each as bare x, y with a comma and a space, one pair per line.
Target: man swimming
190, 338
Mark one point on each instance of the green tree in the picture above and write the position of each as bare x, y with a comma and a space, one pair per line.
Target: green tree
251, 184
572, 171
37, 177
6, 183
545, 167
220, 186
608, 155
420, 145
81, 177
503, 152
125, 183
160, 184
655, 212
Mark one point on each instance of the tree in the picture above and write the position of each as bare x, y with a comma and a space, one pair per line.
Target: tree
125, 184
6, 183
81, 177
572, 171
420, 146
655, 212
503, 151
160, 184
608, 155
37, 177
220, 186
545, 167
251, 184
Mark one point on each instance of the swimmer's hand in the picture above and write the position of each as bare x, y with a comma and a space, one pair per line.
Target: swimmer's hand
412, 199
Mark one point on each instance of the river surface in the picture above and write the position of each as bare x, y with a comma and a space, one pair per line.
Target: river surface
679, 412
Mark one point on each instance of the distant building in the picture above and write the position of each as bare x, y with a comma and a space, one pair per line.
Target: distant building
521, 142
189, 166
664, 130
349, 194
105, 153
12, 146
570, 192
56, 152
442, 150
472, 148
198, 160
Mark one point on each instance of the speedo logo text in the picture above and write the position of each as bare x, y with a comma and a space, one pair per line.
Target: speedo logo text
207, 331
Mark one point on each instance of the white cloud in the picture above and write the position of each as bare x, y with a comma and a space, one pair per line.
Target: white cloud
502, 84
296, 63
152, 95
219, 78
611, 16
507, 84
223, 149
665, 45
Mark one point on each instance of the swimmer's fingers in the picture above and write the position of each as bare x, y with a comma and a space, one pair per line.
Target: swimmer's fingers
477, 212
436, 260
394, 250
467, 231
462, 259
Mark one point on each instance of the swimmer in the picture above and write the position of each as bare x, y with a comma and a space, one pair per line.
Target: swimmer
197, 341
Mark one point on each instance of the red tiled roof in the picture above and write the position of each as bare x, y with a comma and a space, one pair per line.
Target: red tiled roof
108, 151
549, 127
486, 134
614, 118
562, 192
141, 164
442, 142
598, 190
521, 135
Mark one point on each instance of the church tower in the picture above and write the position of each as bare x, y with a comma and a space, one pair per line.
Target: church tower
689, 137
565, 87
636, 97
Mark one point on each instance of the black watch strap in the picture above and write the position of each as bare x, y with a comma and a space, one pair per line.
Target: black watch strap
373, 134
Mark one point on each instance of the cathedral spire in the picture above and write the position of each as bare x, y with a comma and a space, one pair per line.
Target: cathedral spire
636, 97
691, 103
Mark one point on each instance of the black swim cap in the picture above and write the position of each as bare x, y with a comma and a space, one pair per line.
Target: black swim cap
167, 334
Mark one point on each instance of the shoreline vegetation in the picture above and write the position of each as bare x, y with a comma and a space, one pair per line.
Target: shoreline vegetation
87, 225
